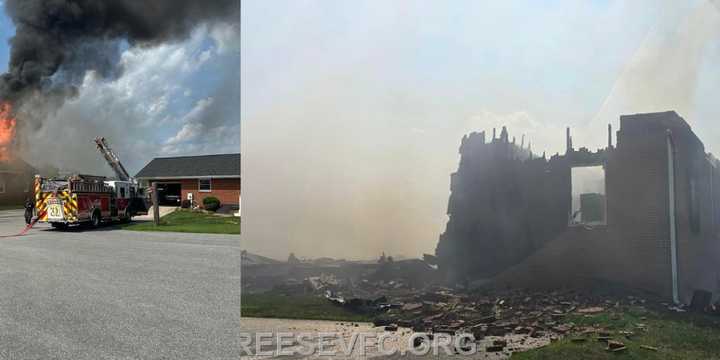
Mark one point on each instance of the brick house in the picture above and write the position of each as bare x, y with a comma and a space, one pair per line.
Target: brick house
194, 178
15, 178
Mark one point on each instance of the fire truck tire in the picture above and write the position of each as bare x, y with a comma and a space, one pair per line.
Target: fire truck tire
95, 219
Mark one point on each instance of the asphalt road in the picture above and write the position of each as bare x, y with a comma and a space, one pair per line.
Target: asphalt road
115, 294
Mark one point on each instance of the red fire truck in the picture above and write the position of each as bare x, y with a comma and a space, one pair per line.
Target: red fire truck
89, 199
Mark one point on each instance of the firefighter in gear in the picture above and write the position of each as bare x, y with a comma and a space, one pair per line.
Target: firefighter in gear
29, 206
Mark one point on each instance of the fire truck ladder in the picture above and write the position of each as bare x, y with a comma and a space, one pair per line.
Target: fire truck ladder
112, 159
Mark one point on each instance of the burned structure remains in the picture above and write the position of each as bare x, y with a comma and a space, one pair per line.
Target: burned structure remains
15, 178
646, 217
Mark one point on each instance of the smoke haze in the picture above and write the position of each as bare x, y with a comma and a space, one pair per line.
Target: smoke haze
85, 68
664, 72
353, 114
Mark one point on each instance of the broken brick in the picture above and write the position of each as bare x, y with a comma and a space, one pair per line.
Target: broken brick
614, 345
500, 342
493, 348
591, 310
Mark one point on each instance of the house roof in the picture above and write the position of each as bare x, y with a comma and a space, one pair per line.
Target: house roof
221, 165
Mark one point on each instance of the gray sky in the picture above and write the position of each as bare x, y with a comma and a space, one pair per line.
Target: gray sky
353, 111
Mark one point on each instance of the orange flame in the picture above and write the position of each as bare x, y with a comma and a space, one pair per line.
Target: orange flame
7, 130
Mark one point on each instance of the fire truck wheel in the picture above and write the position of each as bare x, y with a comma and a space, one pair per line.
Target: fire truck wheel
95, 220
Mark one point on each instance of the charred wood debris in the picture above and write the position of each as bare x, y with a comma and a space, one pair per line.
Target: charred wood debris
408, 295
505, 321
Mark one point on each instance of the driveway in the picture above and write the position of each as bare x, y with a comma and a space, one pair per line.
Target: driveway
164, 210
115, 294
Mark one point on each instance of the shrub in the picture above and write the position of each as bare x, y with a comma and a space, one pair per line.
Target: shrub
185, 204
211, 203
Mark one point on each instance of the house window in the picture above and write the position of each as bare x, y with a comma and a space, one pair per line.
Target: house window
204, 185
588, 195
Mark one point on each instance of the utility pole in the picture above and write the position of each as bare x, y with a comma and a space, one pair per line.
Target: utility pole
156, 207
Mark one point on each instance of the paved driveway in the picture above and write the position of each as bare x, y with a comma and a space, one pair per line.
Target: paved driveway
115, 294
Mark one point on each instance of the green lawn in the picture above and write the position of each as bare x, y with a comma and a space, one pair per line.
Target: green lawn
190, 222
681, 336
308, 307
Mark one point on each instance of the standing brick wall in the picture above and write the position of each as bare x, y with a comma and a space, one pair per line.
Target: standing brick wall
638, 207
227, 190
641, 211
698, 245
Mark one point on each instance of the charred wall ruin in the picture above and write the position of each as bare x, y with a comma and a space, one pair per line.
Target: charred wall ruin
493, 222
510, 214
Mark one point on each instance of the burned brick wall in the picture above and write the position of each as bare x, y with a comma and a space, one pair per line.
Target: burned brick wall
504, 205
639, 203
509, 213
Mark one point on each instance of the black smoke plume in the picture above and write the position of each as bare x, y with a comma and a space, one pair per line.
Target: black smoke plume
58, 41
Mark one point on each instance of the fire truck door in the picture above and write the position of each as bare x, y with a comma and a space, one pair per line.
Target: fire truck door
120, 197
113, 205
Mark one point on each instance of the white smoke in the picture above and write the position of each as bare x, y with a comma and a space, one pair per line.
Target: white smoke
138, 112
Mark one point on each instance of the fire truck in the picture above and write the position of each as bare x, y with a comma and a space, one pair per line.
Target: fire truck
89, 199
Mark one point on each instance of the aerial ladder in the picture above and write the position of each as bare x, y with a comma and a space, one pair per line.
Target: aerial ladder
138, 204
112, 159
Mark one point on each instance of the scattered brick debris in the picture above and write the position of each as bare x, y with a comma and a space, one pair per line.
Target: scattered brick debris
494, 348
591, 310
412, 306
614, 345
501, 342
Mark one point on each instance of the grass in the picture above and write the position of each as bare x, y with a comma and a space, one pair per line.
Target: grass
189, 221
676, 336
307, 307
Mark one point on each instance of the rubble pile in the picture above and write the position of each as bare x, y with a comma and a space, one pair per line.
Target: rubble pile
406, 297
509, 321
517, 312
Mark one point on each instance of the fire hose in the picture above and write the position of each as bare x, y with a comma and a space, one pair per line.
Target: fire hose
24, 231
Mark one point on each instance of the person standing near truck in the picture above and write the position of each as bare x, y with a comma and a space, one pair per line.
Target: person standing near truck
29, 207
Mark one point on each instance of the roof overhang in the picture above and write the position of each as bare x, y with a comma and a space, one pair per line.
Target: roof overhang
188, 177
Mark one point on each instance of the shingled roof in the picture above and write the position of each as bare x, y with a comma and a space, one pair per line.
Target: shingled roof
221, 165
